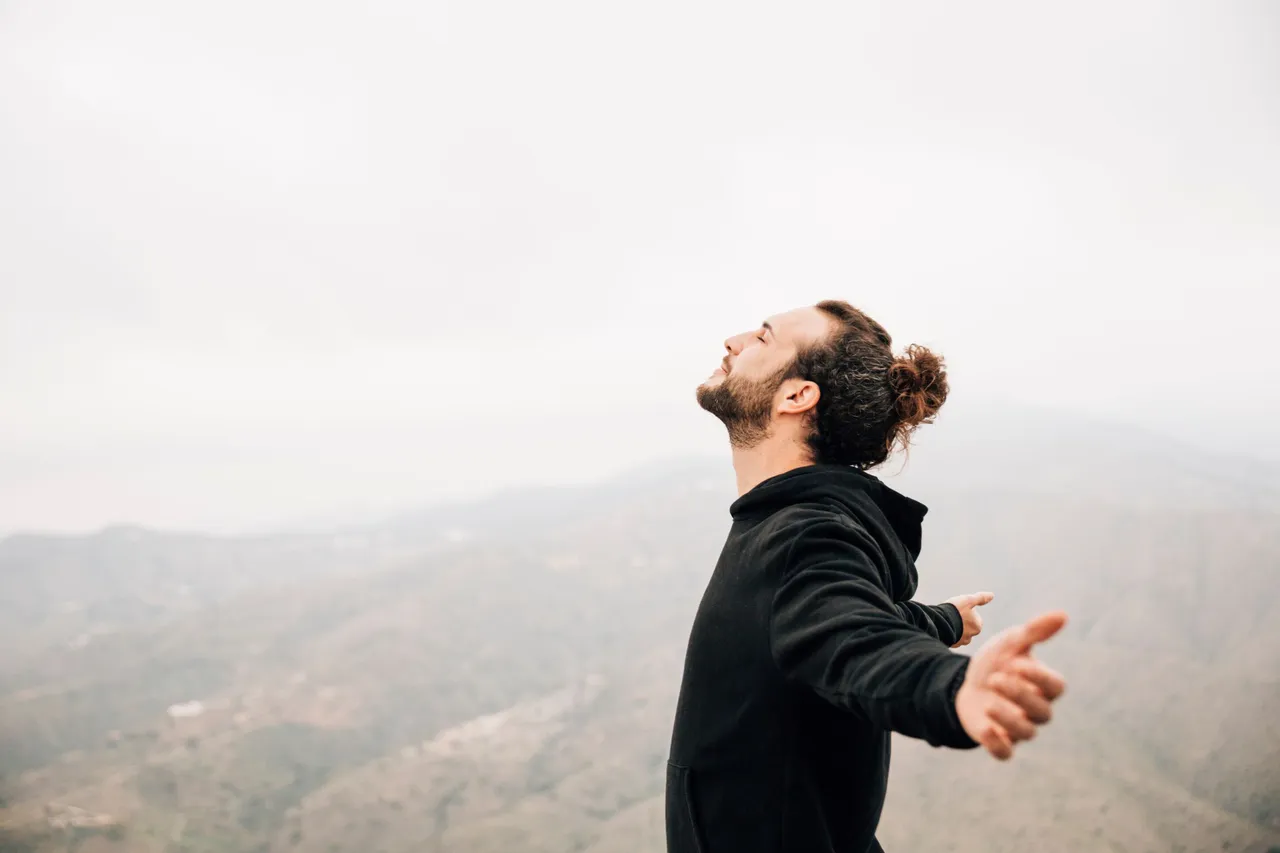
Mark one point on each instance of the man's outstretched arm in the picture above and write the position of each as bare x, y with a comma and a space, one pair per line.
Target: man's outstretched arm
836, 631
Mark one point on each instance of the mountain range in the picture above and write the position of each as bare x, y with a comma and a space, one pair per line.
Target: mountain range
500, 675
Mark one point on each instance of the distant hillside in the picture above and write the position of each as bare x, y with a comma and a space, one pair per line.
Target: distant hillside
501, 677
979, 446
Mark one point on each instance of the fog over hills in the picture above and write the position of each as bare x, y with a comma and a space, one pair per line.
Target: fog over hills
500, 674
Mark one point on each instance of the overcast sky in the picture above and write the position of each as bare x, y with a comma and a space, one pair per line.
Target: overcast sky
262, 261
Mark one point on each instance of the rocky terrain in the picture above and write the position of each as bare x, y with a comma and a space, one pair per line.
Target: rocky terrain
501, 676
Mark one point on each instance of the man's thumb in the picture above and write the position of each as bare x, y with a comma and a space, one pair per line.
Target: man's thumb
1038, 630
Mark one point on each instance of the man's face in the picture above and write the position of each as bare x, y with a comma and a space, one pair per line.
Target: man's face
744, 389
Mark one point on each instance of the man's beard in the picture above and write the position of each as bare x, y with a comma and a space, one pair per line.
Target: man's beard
744, 407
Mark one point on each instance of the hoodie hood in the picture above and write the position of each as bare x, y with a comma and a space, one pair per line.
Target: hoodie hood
846, 489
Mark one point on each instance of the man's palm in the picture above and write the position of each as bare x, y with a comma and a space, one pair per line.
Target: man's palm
1006, 692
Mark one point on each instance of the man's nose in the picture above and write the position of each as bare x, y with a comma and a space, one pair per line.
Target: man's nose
734, 345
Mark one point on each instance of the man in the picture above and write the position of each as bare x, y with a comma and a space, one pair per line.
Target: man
807, 652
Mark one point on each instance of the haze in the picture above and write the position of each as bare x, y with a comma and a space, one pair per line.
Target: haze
269, 263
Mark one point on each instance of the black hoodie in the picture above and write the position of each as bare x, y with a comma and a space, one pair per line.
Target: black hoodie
806, 652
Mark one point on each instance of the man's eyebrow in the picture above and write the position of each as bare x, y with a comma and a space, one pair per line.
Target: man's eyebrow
765, 325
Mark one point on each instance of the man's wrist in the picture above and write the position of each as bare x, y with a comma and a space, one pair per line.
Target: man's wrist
954, 621
957, 682
939, 703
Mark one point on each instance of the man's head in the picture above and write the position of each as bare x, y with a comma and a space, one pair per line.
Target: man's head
824, 377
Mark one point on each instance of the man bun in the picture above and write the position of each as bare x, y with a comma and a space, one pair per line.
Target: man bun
919, 381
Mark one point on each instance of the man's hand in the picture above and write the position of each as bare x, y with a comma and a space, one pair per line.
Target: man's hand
1006, 692
968, 606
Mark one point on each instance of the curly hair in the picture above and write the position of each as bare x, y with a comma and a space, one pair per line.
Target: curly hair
871, 400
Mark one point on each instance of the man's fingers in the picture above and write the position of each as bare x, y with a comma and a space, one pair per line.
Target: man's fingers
1051, 684
997, 742
1012, 719
1025, 694
973, 599
1037, 630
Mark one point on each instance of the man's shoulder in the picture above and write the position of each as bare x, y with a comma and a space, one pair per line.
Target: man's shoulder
783, 529
819, 535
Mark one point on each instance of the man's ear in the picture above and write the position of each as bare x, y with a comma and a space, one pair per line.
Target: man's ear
797, 396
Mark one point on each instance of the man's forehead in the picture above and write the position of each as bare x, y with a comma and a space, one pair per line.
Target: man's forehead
799, 323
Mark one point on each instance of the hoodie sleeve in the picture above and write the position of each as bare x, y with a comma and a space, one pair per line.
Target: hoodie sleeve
937, 620
835, 630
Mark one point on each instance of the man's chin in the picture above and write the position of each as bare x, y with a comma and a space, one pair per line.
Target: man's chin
704, 393
707, 392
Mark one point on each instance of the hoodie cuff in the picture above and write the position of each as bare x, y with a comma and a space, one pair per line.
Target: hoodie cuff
954, 622
940, 705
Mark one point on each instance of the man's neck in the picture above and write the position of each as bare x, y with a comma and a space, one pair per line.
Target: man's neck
768, 459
